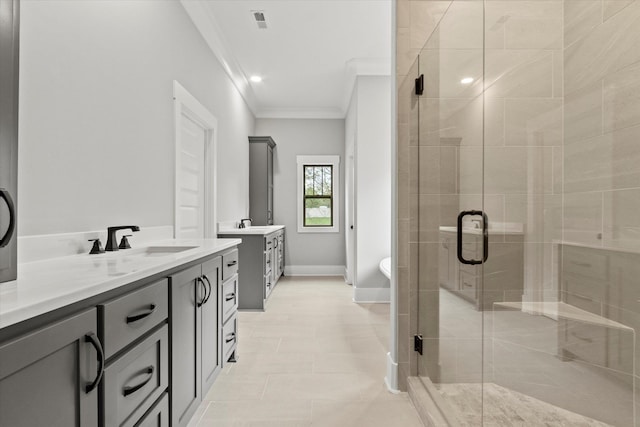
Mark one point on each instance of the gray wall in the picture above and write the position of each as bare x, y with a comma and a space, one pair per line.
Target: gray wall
96, 114
304, 137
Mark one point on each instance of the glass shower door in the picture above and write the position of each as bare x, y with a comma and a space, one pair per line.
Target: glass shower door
448, 159
527, 118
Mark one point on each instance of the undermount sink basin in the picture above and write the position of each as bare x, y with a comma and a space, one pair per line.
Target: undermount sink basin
158, 251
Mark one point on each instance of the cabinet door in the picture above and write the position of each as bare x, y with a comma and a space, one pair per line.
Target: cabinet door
211, 360
44, 375
9, 24
187, 293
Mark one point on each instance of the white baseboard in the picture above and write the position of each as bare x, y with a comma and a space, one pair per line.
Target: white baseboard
391, 380
372, 295
314, 270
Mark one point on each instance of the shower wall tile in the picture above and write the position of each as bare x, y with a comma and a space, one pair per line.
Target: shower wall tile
519, 73
540, 214
437, 169
621, 224
403, 14
403, 243
414, 170
607, 162
507, 170
583, 217
434, 211
611, 7
580, 17
606, 49
494, 121
444, 68
534, 33
533, 122
621, 98
404, 210
425, 16
558, 170
460, 14
583, 112
451, 121
428, 260
558, 73
403, 291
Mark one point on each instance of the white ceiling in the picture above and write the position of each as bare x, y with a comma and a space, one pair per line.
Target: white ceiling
307, 56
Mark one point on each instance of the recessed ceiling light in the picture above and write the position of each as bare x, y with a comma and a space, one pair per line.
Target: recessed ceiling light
255, 79
466, 80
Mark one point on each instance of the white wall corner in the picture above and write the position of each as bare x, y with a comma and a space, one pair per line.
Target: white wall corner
391, 380
206, 24
362, 67
314, 270
371, 295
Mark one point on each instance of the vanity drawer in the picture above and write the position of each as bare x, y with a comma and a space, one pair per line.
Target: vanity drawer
134, 381
586, 342
229, 337
585, 262
132, 315
229, 297
581, 288
229, 264
158, 416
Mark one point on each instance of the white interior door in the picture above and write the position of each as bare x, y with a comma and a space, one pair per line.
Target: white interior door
192, 187
195, 175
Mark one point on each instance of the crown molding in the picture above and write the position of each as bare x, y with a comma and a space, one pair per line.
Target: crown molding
205, 22
300, 113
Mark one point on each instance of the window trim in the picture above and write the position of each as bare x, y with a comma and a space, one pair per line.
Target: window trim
334, 162
316, 196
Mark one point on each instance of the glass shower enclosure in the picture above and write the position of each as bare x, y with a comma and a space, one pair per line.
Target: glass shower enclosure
525, 186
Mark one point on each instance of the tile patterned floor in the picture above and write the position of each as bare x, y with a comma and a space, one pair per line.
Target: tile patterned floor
312, 358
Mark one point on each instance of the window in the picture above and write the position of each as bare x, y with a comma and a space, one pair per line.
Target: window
318, 198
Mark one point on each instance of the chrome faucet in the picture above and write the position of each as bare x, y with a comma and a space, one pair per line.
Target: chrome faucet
112, 242
241, 225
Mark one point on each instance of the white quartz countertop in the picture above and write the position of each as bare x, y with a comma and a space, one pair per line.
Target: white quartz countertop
48, 285
262, 230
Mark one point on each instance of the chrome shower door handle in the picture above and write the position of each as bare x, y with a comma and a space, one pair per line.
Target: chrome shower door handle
485, 238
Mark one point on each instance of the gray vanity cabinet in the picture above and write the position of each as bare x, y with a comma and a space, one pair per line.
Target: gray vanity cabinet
261, 180
262, 260
47, 376
195, 343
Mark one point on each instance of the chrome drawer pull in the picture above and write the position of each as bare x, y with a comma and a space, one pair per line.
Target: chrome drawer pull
233, 337
230, 297
589, 340
581, 264
136, 317
130, 390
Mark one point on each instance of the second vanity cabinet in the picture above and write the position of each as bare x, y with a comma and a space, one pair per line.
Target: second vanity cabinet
262, 259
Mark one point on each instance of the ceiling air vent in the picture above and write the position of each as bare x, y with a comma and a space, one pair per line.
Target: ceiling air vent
258, 15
